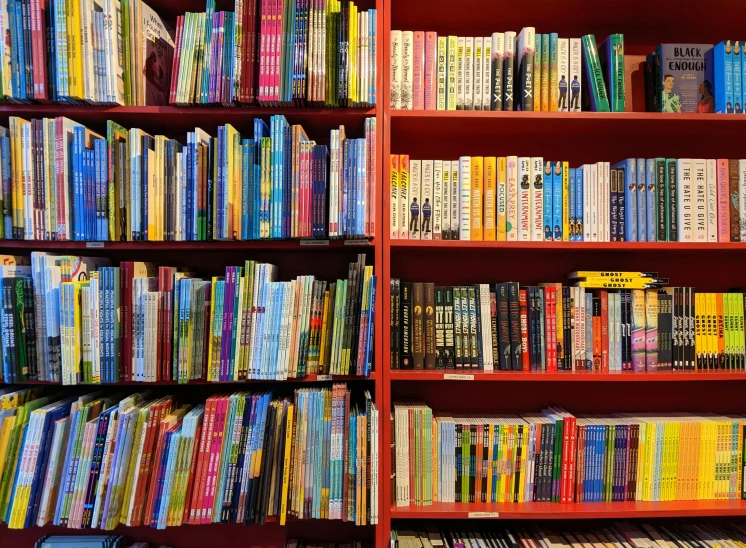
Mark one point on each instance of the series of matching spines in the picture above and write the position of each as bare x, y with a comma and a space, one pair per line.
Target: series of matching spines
554, 456
96, 461
606, 322
276, 53
506, 71
514, 198
61, 181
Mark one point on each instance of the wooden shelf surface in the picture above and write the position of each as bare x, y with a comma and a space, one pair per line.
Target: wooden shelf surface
564, 247
566, 376
591, 510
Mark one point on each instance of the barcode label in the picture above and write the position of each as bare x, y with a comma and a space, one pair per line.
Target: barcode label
314, 242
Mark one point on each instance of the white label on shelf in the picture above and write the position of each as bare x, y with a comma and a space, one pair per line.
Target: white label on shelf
357, 242
323, 377
482, 515
97, 245
314, 242
457, 377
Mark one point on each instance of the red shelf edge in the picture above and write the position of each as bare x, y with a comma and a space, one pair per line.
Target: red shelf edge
568, 376
569, 246
186, 110
308, 378
573, 116
282, 245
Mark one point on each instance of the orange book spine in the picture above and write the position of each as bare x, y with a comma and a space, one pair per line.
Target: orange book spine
477, 189
156, 414
490, 199
199, 474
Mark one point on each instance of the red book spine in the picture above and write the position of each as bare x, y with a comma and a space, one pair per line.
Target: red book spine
604, 330
431, 70
214, 460
195, 510
190, 483
126, 323
177, 59
523, 307
160, 431
37, 44
572, 421
418, 72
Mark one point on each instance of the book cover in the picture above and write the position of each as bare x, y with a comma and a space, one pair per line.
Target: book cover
496, 71
575, 75
683, 79
563, 81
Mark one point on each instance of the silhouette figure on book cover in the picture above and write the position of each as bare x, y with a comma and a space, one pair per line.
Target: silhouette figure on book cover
575, 94
414, 216
562, 93
427, 212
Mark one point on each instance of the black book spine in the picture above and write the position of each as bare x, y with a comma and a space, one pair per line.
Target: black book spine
29, 328
494, 330
515, 326
457, 460
439, 329
533, 329
474, 349
503, 314
395, 321
472, 460
526, 70
449, 352
628, 326
406, 325
677, 329
458, 323
660, 176
429, 326
673, 231
518, 454
509, 74
691, 294
568, 326
418, 325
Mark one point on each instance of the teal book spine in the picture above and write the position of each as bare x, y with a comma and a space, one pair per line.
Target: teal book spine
611, 55
599, 99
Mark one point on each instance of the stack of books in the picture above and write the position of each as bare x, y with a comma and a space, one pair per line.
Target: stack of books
554, 456
104, 52
80, 320
283, 53
602, 321
99, 460
62, 181
506, 71
512, 198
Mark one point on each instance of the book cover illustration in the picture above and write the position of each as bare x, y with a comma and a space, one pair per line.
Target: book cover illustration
159, 53
682, 78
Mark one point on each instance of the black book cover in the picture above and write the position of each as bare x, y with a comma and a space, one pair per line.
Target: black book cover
473, 463
477, 315
596, 333
457, 461
662, 328
517, 471
676, 342
673, 205
503, 315
660, 177
526, 79
439, 329
534, 328
461, 348
418, 326
449, 350
515, 326
394, 324
508, 78
494, 330
567, 326
430, 341
691, 293
406, 325
473, 323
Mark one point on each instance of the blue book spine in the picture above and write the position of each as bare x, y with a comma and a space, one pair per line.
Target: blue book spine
729, 77
186, 221
257, 199
715, 72
245, 189
578, 205
287, 183
22, 69
548, 200
571, 201
629, 217
92, 190
87, 194
345, 186
220, 206
737, 82
352, 195
102, 229
362, 176
557, 201
743, 78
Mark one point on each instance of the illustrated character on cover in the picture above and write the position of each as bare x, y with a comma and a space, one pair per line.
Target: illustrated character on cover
548, 214
156, 72
558, 228
706, 101
562, 93
524, 182
427, 211
574, 93
414, 216
671, 101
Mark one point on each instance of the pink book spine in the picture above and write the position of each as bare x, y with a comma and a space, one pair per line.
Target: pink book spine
723, 211
213, 462
278, 50
261, 95
61, 189
307, 198
177, 59
302, 191
272, 51
431, 70
212, 77
418, 71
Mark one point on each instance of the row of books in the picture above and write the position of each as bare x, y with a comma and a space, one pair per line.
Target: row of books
98, 460
554, 456
105, 51
80, 320
62, 181
284, 52
85, 541
532, 199
592, 325
696, 78
506, 71
620, 534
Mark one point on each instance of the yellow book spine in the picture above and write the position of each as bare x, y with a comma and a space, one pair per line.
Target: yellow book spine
739, 461
652, 443
702, 464
451, 95
434, 459
503, 463
477, 186
353, 53
16, 154
641, 460
502, 182
235, 177
326, 316
490, 195
407, 229
74, 49
565, 201
677, 460
699, 341
524, 455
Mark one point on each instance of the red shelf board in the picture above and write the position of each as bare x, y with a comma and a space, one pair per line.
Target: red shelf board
307, 379
569, 376
564, 247
316, 246
570, 117
592, 510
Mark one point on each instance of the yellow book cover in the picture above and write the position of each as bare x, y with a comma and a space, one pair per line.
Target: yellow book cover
394, 208
702, 460
524, 455
490, 196
16, 163
502, 181
565, 201
173, 502
235, 177
286, 464
74, 49
477, 187
675, 460
352, 96
490, 455
407, 229
651, 443
699, 341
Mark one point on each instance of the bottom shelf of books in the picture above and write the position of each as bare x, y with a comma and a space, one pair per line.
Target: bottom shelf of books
142, 462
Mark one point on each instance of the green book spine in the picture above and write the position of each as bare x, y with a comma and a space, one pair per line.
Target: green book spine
672, 231
611, 55
594, 75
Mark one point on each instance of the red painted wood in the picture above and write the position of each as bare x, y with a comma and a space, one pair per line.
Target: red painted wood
307, 379
454, 246
569, 376
589, 510
211, 246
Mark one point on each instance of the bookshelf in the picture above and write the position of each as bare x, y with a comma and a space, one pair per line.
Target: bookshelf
579, 138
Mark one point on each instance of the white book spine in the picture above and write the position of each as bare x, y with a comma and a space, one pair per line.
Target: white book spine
484, 309
414, 195
586, 203
478, 53
407, 67
455, 201
594, 203
712, 198
437, 199
563, 82
440, 99
464, 183
469, 73
575, 76
537, 199
486, 72
511, 202
460, 69
396, 69
700, 200
742, 197
607, 201
334, 188
445, 222
524, 199
451, 74
685, 217
426, 208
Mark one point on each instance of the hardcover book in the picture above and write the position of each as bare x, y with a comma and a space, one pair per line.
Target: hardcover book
683, 79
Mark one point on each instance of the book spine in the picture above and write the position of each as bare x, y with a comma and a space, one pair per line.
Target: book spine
723, 209
537, 199
524, 199
395, 92
594, 75
436, 94
452, 74
497, 61
437, 200
509, 76
563, 82
418, 70
575, 75
734, 201
553, 68
490, 183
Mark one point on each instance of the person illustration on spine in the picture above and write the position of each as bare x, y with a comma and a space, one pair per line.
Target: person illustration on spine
414, 216
427, 212
575, 94
562, 94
